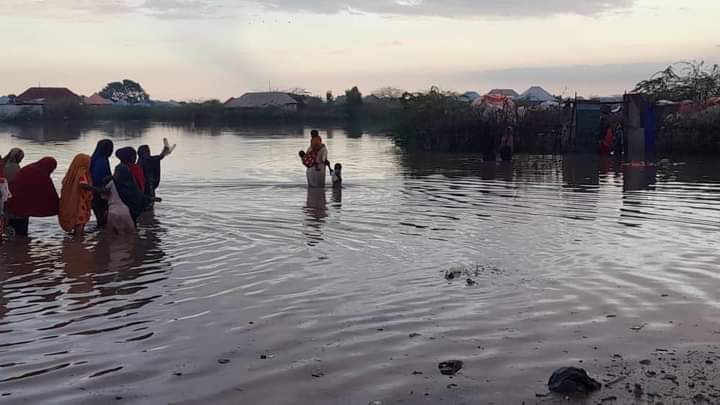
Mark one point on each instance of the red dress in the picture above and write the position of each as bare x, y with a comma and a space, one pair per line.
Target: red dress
138, 175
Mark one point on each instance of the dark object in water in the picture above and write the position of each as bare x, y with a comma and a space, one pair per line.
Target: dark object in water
470, 282
452, 274
572, 380
450, 367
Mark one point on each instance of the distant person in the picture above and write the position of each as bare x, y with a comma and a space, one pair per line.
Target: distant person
100, 172
151, 167
12, 162
76, 196
507, 144
314, 159
127, 184
33, 195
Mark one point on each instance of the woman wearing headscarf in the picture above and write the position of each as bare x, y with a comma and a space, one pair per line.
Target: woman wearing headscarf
127, 185
151, 168
128, 156
76, 195
316, 172
12, 162
100, 171
33, 195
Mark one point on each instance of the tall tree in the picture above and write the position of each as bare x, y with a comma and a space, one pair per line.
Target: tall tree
126, 91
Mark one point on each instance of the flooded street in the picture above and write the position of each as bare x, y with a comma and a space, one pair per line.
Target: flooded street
245, 287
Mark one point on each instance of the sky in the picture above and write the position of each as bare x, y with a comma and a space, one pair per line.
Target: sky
205, 49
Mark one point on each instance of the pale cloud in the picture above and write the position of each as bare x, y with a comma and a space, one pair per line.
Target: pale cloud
456, 8
201, 9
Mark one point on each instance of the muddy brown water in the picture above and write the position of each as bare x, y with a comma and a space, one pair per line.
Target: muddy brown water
244, 287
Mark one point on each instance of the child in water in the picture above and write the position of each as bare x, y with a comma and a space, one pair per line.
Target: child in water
336, 174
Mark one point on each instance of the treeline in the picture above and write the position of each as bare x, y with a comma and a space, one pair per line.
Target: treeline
210, 112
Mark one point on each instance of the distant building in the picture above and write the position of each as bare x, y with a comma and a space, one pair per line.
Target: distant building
96, 100
263, 100
4, 100
44, 95
536, 94
510, 93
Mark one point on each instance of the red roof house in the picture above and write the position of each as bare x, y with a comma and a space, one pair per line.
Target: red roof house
43, 95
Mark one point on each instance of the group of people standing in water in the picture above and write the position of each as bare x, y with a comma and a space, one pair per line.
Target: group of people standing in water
117, 198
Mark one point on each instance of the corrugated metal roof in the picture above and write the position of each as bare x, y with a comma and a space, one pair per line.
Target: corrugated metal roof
504, 92
536, 93
261, 100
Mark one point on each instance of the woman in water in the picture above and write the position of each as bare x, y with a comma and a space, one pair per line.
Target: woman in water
314, 160
127, 185
33, 195
100, 171
12, 162
76, 196
128, 157
151, 168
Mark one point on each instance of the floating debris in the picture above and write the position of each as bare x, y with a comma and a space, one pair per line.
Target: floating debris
572, 380
450, 367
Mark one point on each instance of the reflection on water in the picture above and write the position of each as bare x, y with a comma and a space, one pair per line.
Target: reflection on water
244, 286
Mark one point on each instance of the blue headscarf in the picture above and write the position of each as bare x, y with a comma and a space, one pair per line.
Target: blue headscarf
100, 162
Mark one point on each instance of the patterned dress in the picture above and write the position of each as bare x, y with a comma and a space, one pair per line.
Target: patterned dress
85, 202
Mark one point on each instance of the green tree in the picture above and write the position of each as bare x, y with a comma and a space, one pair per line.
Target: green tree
683, 81
126, 91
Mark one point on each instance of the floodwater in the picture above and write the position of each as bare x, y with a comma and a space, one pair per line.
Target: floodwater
244, 287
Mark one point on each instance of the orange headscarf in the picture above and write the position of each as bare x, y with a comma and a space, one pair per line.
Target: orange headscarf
72, 194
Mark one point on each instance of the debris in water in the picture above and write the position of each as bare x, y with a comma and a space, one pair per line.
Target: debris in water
414, 335
454, 273
637, 328
572, 380
470, 282
450, 367
645, 362
223, 361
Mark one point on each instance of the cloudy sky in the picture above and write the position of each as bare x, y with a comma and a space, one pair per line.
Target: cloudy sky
201, 49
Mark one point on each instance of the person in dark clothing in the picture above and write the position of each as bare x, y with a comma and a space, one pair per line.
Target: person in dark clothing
100, 171
151, 168
127, 186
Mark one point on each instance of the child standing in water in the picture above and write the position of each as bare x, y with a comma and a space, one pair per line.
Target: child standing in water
76, 196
